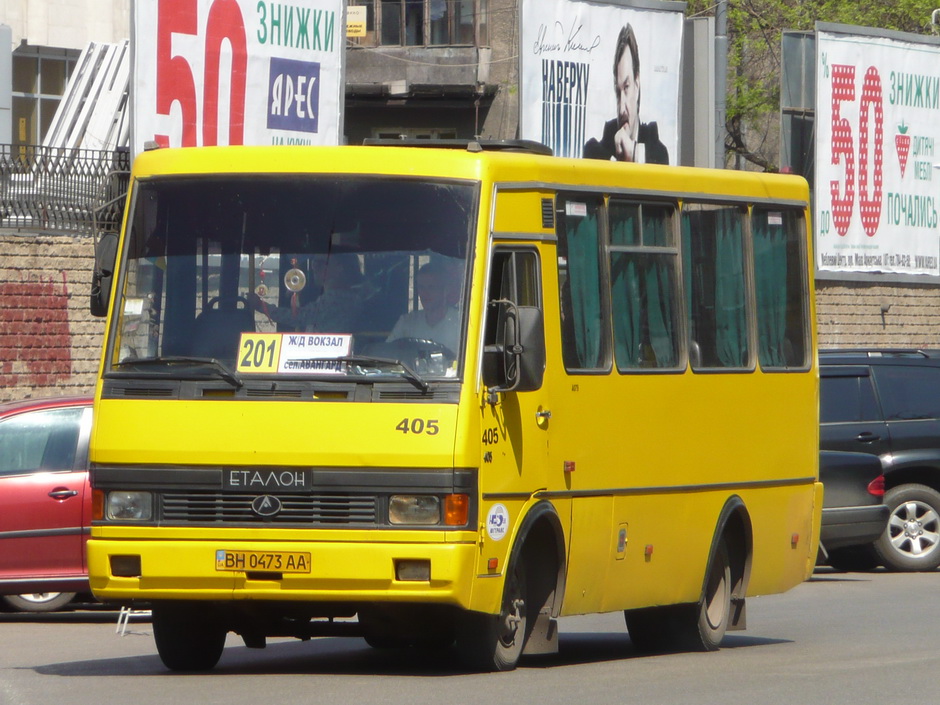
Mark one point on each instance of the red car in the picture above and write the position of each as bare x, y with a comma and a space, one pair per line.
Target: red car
45, 502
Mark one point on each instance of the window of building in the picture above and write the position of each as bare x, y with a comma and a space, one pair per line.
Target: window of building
40, 76
415, 133
424, 22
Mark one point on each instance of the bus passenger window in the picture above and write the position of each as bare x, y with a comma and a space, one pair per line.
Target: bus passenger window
583, 311
713, 263
779, 263
643, 286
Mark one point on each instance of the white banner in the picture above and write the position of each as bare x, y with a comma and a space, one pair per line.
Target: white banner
877, 123
220, 72
580, 100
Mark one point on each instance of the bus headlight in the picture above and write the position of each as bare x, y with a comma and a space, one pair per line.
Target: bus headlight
130, 506
424, 510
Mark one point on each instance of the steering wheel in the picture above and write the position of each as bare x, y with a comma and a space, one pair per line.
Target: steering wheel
424, 347
426, 356
215, 300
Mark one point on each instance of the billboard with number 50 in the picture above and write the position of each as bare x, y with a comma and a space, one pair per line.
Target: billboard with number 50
877, 127
225, 72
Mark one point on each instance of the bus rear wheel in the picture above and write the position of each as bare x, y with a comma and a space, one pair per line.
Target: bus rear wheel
187, 638
487, 642
689, 627
714, 609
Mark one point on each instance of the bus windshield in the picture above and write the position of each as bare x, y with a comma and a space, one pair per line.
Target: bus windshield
293, 276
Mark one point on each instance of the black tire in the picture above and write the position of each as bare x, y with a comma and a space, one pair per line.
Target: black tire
688, 627
38, 601
853, 559
188, 638
487, 642
911, 540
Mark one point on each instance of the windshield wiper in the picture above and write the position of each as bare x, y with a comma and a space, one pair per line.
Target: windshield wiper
410, 374
213, 364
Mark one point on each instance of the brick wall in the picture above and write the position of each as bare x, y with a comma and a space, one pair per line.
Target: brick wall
49, 342
850, 314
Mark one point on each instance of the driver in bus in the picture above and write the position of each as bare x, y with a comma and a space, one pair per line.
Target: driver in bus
438, 319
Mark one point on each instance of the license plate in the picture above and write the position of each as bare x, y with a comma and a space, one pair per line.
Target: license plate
263, 561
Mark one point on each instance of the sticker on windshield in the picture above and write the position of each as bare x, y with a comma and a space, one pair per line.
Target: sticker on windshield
497, 522
293, 353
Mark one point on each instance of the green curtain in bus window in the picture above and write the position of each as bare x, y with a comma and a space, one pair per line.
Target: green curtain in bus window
626, 305
581, 290
779, 285
713, 274
625, 286
643, 304
661, 295
642, 290
770, 264
730, 312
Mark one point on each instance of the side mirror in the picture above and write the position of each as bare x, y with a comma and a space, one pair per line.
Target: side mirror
101, 278
516, 361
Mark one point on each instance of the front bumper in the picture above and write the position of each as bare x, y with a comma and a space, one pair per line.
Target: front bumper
339, 571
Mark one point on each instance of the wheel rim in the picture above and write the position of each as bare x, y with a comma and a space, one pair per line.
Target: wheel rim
717, 597
512, 617
914, 529
40, 598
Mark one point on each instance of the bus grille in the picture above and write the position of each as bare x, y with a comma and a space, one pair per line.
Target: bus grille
322, 508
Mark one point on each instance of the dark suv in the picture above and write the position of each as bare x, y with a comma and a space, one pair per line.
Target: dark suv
887, 403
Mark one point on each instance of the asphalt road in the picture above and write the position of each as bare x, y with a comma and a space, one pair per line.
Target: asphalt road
838, 639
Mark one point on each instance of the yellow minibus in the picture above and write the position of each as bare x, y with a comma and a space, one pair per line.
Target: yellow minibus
442, 394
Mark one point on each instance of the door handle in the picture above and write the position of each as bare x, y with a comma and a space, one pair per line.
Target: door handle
867, 437
543, 414
62, 494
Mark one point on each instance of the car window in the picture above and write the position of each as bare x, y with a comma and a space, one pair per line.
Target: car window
845, 399
39, 440
909, 392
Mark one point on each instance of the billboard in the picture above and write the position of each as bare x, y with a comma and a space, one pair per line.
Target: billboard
223, 72
877, 124
601, 80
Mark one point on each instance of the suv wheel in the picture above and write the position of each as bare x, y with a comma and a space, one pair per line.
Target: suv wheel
911, 540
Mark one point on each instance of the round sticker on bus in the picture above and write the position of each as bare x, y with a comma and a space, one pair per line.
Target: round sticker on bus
497, 522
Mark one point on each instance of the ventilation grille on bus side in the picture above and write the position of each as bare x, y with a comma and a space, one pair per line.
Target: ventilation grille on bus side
548, 213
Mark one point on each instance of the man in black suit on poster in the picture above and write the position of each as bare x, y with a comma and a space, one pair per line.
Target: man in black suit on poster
625, 138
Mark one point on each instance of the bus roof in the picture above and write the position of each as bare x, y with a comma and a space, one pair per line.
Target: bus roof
517, 167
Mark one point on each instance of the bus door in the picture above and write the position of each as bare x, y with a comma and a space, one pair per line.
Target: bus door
515, 414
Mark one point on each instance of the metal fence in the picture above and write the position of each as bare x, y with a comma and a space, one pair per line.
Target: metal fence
55, 189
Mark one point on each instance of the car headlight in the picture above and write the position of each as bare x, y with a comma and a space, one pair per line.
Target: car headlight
424, 510
130, 506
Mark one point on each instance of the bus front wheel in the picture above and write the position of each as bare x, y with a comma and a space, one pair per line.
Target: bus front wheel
187, 637
487, 642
